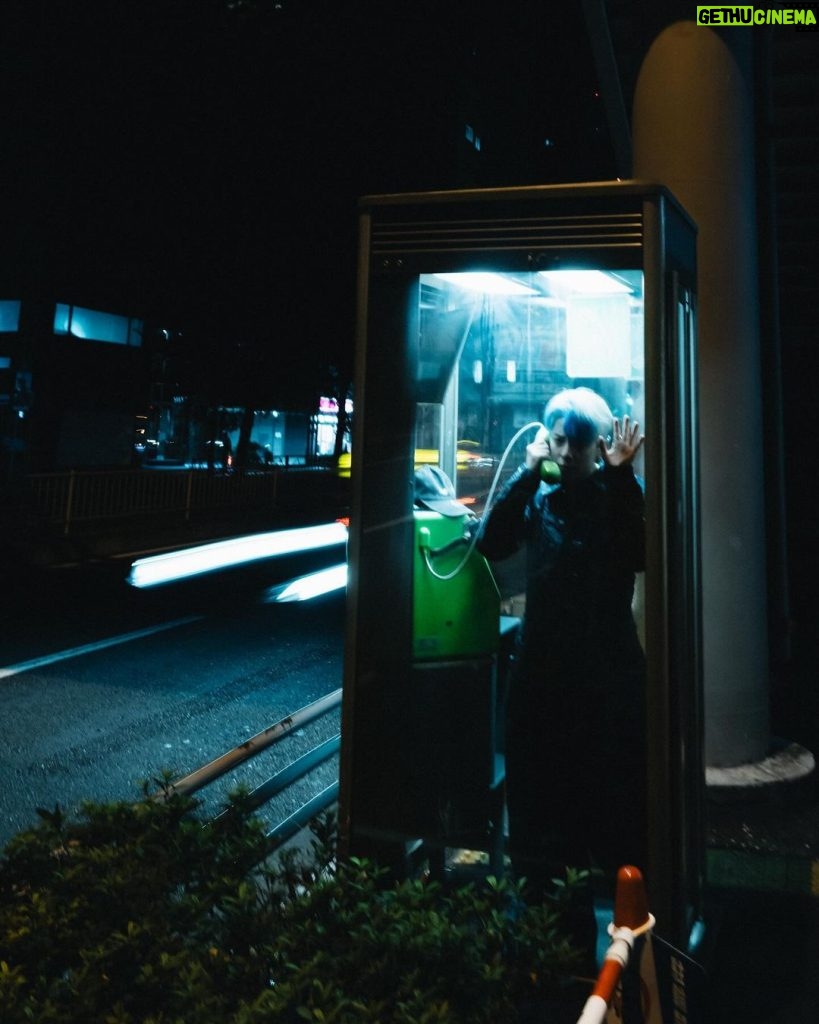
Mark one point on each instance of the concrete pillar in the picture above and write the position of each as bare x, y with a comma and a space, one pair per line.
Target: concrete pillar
693, 131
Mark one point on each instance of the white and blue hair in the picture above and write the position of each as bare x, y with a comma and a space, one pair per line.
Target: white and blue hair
586, 416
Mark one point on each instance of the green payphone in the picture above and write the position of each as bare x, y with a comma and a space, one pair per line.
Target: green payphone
456, 602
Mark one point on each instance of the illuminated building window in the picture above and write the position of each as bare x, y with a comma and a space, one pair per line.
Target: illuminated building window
94, 325
9, 315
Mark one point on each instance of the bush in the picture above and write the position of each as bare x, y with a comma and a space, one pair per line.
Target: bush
143, 913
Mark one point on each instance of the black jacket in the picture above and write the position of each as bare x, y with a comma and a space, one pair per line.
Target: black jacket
584, 544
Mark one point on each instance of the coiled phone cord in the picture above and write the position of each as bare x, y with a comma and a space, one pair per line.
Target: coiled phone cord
427, 552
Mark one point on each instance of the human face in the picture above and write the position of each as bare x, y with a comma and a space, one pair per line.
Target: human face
577, 462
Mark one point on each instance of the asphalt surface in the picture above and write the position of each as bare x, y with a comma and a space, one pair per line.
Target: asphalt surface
168, 680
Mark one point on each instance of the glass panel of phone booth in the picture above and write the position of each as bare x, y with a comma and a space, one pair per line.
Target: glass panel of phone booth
465, 336
516, 339
493, 348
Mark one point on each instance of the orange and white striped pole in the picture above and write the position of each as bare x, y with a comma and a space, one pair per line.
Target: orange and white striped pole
631, 920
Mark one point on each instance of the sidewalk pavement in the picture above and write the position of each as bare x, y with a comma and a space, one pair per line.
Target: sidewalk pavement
762, 862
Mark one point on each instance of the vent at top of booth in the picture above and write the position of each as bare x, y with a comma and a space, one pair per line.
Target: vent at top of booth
481, 235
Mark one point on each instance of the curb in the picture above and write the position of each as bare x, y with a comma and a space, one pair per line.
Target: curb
787, 772
736, 869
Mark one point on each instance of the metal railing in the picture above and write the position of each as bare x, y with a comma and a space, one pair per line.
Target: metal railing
277, 783
83, 496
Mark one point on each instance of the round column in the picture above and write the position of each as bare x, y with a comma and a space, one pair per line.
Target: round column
693, 131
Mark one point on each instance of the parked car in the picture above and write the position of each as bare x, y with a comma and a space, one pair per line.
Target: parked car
475, 468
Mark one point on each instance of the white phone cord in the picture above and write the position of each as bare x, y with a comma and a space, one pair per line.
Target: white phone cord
474, 540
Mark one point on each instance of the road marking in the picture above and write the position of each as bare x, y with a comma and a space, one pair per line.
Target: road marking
98, 645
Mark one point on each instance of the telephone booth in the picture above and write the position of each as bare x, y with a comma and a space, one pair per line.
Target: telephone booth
475, 307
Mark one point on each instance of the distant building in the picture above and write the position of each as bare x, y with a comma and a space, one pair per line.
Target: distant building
72, 380
87, 388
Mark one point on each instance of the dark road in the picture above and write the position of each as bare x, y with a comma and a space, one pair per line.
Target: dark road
104, 686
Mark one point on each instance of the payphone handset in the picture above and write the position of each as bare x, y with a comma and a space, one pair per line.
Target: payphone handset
549, 469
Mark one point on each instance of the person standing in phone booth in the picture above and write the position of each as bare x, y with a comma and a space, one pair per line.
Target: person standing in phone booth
575, 732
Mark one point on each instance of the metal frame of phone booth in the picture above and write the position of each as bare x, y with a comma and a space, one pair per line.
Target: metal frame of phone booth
421, 760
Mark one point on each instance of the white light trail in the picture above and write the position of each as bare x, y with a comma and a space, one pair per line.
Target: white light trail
177, 565
315, 584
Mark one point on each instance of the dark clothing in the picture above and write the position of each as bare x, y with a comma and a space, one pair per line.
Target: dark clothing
575, 745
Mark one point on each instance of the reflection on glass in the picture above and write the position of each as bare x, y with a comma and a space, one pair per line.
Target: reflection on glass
499, 346
515, 340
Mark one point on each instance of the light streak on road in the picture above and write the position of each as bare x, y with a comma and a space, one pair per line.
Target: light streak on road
178, 565
97, 645
314, 584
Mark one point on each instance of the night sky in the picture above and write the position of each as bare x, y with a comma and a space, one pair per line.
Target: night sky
161, 155
201, 160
